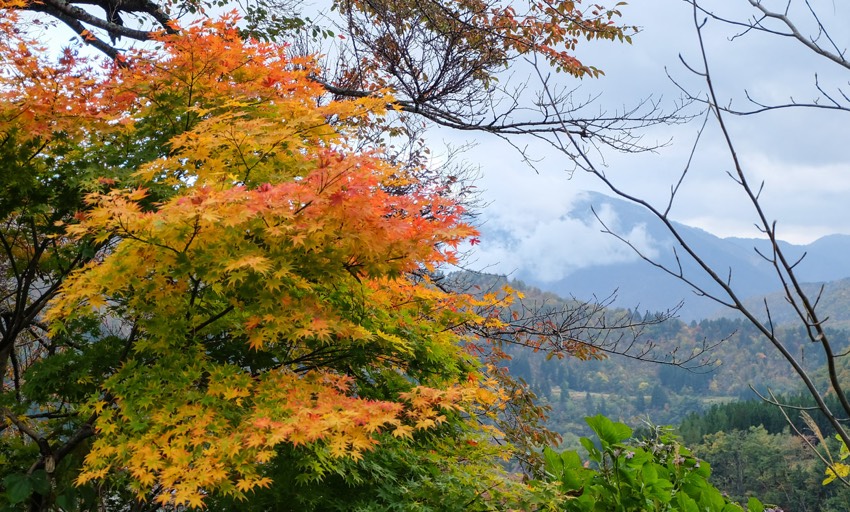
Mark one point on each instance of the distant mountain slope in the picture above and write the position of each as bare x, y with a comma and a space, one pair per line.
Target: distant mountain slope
628, 389
834, 304
639, 284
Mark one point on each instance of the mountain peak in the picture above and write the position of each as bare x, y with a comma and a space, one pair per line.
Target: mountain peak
639, 282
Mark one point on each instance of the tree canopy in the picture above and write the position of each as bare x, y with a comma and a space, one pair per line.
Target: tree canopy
444, 61
207, 271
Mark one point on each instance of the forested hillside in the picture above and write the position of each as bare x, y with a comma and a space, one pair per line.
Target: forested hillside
751, 446
629, 388
834, 300
756, 450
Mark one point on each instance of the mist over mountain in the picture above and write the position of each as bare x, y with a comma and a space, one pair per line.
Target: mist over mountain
636, 283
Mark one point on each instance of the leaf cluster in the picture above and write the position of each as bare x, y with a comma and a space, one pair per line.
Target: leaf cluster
657, 473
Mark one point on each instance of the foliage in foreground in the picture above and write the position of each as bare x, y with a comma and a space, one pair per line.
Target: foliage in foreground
655, 474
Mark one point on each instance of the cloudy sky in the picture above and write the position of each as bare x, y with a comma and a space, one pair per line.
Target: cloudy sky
801, 155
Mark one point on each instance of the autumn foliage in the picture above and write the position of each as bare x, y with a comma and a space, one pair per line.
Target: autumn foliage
248, 277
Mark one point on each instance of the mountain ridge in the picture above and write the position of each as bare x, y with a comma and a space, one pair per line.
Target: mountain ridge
639, 284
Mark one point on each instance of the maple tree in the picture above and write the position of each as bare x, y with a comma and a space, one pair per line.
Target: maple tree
244, 280
232, 279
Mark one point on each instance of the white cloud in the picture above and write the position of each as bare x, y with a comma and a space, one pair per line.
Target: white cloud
800, 155
540, 239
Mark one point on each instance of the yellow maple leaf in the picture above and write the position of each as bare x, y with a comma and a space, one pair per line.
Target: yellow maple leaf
838, 469
403, 431
137, 194
425, 423
256, 263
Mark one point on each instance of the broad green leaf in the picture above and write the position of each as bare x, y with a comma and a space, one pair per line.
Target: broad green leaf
18, 487
553, 462
685, 503
40, 481
754, 505
608, 431
592, 451
67, 500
